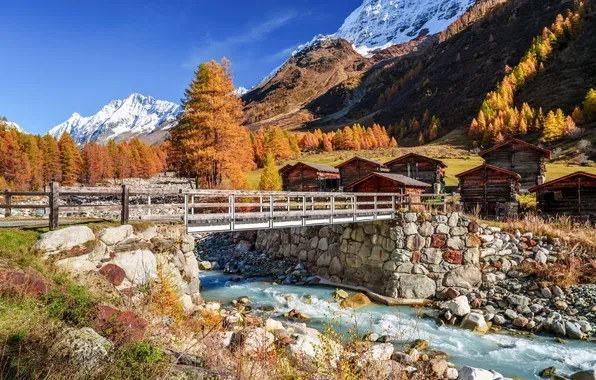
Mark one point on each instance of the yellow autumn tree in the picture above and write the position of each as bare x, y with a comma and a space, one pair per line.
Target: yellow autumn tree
210, 141
270, 178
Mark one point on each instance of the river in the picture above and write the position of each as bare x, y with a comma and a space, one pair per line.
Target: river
511, 356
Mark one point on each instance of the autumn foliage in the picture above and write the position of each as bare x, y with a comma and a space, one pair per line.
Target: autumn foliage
499, 118
27, 162
209, 141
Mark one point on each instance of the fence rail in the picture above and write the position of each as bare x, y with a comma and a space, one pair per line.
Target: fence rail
221, 211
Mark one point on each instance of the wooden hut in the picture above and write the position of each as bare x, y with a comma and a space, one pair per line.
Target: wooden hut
573, 195
357, 168
283, 172
490, 191
525, 159
305, 176
421, 168
387, 183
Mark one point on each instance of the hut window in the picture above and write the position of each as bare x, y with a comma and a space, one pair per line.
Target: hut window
331, 183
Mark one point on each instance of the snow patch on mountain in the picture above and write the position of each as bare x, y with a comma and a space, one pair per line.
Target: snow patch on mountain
240, 91
13, 125
378, 24
136, 115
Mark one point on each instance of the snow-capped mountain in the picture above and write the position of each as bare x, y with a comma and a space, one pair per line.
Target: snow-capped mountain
378, 24
137, 115
240, 91
13, 125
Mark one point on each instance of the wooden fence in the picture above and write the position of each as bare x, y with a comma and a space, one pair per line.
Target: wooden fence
220, 210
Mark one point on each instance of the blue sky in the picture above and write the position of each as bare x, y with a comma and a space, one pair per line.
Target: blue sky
66, 56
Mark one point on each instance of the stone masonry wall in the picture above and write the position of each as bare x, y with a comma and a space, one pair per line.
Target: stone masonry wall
414, 256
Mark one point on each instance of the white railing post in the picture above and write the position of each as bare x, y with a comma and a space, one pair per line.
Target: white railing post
376, 211
192, 202
186, 211
261, 203
354, 208
232, 201
303, 210
332, 208
149, 204
393, 209
271, 211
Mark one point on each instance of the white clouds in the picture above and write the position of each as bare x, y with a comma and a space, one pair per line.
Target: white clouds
218, 48
282, 54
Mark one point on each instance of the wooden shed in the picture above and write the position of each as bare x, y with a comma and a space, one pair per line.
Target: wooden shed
525, 159
421, 168
305, 176
283, 172
573, 195
387, 183
489, 190
357, 168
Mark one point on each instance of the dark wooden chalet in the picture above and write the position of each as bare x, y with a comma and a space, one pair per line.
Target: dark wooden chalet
421, 168
357, 168
283, 172
387, 183
305, 176
525, 159
573, 195
489, 190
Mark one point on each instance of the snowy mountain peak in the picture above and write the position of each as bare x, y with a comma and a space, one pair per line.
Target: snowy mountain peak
15, 126
378, 24
121, 119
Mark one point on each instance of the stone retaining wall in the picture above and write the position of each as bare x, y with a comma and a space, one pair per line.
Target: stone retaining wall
414, 256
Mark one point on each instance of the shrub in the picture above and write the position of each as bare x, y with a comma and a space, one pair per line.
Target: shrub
72, 304
142, 360
566, 271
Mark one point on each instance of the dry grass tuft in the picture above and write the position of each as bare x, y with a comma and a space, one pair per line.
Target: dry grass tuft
566, 271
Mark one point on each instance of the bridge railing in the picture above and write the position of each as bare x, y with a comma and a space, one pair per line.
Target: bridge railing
217, 211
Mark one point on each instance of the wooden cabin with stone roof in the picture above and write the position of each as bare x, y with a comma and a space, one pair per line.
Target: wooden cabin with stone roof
525, 159
489, 191
572, 195
421, 168
357, 168
305, 176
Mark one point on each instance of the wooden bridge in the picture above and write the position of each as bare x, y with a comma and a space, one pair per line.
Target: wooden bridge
206, 211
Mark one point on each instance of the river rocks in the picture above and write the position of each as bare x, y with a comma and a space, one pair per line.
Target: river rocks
114, 235
340, 294
187, 244
465, 276
254, 340
84, 347
471, 373
64, 239
459, 306
411, 286
474, 322
356, 300
584, 375
204, 265
573, 331
297, 315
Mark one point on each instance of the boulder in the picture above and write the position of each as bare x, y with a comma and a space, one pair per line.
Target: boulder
140, 266
113, 273
113, 235
573, 331
466, 276
474, 322
99, 252
272, 325
335, 266
204, 265
377, 352
242, 247
411, 286
188, 244
83, 347
120, 327
340, 294
459, 306
356, 300
471, 373
64, 239
254, 340
77, 264
584, 375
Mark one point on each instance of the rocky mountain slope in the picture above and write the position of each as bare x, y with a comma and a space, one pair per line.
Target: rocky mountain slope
138, 115
13, 125
379, 24
449, 74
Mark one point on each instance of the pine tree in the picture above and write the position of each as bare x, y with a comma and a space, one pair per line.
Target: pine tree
433, 131
210, 141
270, 178
551, 129
70, 160
589, 105
51, 159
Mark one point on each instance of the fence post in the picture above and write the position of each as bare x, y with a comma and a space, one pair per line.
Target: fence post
271, 205
454, 207
186, 211
444, 201
54, 205
7, 201
409, 203
125, 205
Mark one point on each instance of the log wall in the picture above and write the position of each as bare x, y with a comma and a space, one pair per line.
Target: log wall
419, 168
529, 163
575, 196
355, 170
304, 178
